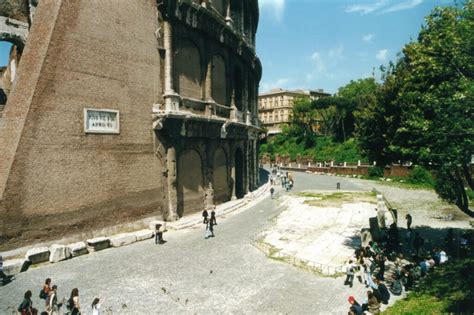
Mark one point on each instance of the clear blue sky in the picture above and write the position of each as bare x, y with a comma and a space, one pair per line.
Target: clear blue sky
323, 44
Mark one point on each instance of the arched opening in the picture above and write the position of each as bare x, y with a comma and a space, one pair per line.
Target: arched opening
187, 70
219, 80
238, 88
239, 174
10, 55
220, 180
220, 6
190, 183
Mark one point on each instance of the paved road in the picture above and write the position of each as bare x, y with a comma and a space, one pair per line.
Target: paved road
192, 275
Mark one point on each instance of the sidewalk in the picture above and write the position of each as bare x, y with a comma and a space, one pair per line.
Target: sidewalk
19, 259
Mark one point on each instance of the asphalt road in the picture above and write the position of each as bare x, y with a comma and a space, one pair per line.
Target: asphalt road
191, 275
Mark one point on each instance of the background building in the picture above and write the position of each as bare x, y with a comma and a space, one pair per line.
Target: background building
124, 109
275, 107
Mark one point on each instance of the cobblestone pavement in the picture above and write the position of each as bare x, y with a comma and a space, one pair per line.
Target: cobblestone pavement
191, 275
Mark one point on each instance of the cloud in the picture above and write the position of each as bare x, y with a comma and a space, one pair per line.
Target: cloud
382, 6
368, 38
382, 54
366, 8
405, 5
274, 7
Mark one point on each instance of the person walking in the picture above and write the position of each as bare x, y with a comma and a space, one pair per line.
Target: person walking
53, 305
73, 303
26, 306
213, 216
272, 190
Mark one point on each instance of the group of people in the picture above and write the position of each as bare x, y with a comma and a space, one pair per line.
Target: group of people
285, 178
209, 222
53, 305
369, 265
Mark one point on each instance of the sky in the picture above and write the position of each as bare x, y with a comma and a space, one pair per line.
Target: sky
324, 44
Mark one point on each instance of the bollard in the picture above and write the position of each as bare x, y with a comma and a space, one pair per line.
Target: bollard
338, 185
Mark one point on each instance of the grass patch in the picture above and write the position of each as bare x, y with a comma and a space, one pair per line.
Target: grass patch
448, 289
336, 199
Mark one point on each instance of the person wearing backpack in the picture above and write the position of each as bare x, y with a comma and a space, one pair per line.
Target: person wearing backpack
26, 307
45, 290
73, 303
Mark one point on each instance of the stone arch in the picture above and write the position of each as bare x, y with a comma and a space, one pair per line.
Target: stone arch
239, 164
220, 178
190, 183
238, 88
220, 6
219, 80
187, 70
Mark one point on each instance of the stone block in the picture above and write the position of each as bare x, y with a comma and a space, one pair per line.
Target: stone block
78, 249
144, 234
15, 266
97, 244
58, 253
122, 239
38, 255
365, 237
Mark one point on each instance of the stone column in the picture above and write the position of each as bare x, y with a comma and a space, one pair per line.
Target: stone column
209, 170
171, 98
228, 18
232, 176
172, 185
210, 106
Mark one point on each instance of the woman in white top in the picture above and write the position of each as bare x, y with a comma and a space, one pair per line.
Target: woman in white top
96, 304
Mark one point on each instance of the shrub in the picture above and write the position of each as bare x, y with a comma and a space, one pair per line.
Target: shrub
376, 171
420, 175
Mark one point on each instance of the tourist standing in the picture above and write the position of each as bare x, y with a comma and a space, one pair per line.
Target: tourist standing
96, 305
204, 215
350, 268
73, 302
409, 221
159, 230
418, 242
45, 292
26, 307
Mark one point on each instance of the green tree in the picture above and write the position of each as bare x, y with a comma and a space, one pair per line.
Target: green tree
424, 111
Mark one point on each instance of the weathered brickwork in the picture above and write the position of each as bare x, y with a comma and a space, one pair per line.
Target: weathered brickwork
184, 78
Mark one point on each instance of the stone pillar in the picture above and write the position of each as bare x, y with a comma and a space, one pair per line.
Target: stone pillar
228, 18
210, 106
171, 98
209, 171
247, 167
232, 176
172, 214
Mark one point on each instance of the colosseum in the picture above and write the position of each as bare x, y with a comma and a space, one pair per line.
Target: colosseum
119, 110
